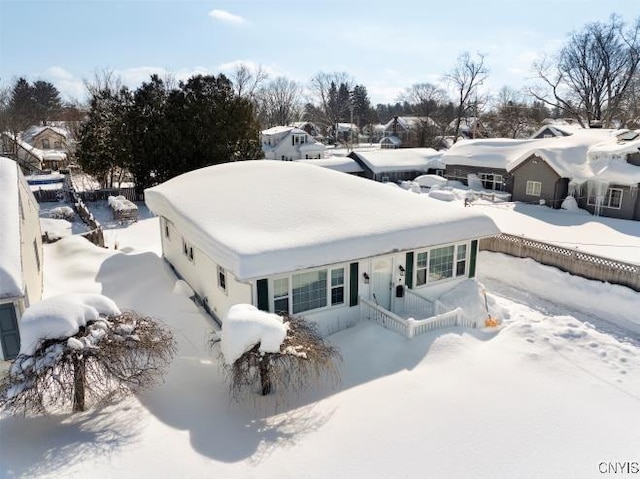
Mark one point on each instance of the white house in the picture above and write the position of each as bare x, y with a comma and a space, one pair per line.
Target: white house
287, 236
20, 254
288, 143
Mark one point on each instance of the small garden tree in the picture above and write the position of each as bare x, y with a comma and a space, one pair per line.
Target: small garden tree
80, 350
267, 353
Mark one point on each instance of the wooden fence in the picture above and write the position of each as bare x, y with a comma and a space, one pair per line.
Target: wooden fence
570, 260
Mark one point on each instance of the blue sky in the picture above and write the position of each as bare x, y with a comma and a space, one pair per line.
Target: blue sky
385, 45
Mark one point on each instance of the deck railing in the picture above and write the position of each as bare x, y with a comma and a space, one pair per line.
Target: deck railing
412, 327
417, 305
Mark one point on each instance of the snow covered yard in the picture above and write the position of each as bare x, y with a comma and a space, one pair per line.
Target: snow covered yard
554, 392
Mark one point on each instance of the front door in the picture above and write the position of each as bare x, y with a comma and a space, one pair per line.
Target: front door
9, 334
382, 281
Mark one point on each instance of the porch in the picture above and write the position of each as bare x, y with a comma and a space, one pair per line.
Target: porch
414, 315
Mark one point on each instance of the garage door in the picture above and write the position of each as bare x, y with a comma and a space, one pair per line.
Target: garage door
9, 334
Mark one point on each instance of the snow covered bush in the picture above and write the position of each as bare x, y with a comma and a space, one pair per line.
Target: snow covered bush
62, 213
80, 350
266, 352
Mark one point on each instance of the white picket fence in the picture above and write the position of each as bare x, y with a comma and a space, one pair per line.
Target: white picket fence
412, 327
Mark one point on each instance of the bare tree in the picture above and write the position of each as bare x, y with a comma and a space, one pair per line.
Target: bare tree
106, 360
592, 72
465, 78
104, 80
279, 102
305, 359
247, 80
331, 95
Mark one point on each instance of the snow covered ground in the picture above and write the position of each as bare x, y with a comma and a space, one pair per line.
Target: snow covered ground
554, 392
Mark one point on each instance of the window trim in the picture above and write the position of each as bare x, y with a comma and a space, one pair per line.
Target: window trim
329, 288
187, 250
533, 188
606, 202
454, 267
222, 278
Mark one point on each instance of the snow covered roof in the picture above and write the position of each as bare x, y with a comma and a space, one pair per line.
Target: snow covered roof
563, 154
391, 139
259, 218
30, 133
276, 130
337, 163
11, 282
408, 122
400, 159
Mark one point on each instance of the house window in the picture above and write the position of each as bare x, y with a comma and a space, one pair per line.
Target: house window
45, 144
441, 263
309, 291
337, 286
35, 249
461, 259
222, 278
187, 250
491, 181
281, 295
421, 268
612, 199
534, 188
166, 229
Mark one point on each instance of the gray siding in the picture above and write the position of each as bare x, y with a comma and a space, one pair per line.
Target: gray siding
629, 209
553, 188
634, 159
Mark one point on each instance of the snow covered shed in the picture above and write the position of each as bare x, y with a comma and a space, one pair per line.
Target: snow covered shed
287, 236
20, 254
398, 164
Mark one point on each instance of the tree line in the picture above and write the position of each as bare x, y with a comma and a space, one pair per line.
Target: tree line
164, 127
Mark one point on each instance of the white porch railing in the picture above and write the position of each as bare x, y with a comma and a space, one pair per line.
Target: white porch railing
412, 327
416, 305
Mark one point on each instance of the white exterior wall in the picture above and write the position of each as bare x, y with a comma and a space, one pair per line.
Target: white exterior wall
281, 146
202, 274
383, 272
30, 243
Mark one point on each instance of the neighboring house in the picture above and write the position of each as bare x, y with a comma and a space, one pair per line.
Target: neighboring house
542, 172
288, 143
374, 133
607, 185
405, 131
398, 164
310, 128
346, 132
286, 236
20, 254
344, 164
55, 144
29, 157
470, 128
557, 129
486, 159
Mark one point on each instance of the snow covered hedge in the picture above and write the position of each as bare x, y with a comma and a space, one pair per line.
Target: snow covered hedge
81, 349
267, 352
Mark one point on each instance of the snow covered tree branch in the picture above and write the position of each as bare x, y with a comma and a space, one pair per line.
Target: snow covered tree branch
271, 353
109, 357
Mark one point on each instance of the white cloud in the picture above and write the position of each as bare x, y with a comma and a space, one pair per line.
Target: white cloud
58, 73
253, 67
224, 16
70, 87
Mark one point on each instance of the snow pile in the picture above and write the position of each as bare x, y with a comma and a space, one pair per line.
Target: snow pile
443, 195
570, 204
245, 326
120, 203
61, 316
55, 229
468, 295
592, 297
411, 186
183, 288
62, 213
427, 181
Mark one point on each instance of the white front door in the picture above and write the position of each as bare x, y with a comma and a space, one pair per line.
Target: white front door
382, 281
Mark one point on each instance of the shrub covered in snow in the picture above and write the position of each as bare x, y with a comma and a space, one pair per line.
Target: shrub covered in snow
265, 351
80, 349
62, 213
